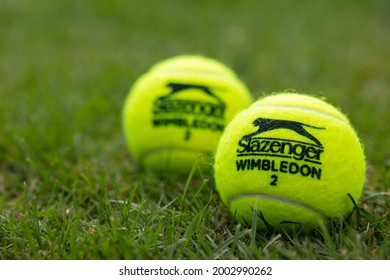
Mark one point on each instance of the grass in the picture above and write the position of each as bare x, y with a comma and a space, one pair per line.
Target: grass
70, 190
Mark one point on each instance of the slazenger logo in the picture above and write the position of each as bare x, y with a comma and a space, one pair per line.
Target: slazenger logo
286, 153
174, 109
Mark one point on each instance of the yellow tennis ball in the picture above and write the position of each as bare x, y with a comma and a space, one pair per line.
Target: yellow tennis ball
179, 109
289, 158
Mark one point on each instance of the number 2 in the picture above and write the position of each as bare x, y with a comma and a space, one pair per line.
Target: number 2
274, 180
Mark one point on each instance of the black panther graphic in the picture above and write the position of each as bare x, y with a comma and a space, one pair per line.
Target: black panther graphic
176, 87
190, 106
168, 103
265, 124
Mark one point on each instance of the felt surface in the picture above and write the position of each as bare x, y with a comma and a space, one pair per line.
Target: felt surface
295, 152
179, 109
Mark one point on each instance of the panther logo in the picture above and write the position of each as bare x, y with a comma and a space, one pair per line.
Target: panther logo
280, 155
171, 102
265, 124
190, 106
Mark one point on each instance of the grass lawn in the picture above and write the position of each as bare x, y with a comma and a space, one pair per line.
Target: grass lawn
68, 186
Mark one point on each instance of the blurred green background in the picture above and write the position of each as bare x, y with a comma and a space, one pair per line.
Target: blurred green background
60, 58
67, 66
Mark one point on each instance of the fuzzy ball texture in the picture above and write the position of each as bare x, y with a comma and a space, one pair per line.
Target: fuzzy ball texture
289, 158
178, 110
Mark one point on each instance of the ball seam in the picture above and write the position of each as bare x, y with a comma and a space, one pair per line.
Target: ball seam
299, 108
279, 199
196, 73
155, 151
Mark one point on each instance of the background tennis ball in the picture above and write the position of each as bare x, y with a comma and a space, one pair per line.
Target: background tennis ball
292, 158
179, 109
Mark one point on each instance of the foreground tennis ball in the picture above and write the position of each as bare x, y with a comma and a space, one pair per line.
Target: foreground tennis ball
179, 109
289, 158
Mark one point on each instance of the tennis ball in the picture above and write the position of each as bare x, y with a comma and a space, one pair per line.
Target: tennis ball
178, 110
289, 158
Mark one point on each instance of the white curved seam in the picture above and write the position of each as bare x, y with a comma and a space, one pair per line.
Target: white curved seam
198, 73
299, 108
279, 199
156, 151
